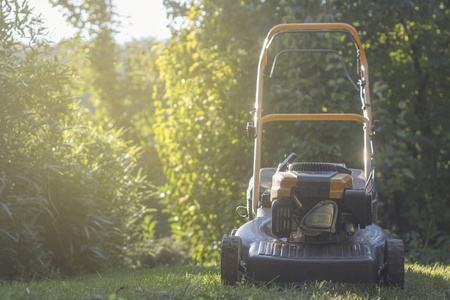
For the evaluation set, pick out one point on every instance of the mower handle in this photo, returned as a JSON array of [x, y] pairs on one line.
[[316, 27], [363, 72]]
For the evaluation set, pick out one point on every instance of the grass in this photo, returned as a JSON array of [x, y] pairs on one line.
[[203, 282]]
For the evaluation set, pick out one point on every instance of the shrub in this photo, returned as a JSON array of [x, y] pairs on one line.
[[70, 191]]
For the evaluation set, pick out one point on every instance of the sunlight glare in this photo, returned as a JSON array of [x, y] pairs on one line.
[[138, 18]]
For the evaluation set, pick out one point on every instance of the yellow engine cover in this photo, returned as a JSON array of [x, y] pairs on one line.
[[325, 185]]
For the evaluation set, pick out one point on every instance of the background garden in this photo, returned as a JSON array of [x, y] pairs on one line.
[[136, 154]]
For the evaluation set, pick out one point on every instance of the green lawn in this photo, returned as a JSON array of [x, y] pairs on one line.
[[203, 282]]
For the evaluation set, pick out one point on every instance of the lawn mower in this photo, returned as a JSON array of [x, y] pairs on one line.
[[313, 221]]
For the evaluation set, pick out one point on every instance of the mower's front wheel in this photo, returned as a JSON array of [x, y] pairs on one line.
[[230, 260], [394, 263]]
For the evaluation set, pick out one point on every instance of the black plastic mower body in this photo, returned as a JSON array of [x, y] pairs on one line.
[[359, 259]]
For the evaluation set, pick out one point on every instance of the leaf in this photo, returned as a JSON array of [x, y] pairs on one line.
[[97, 252], [7, 210], [15, 239], [86, 231], [408, 173]]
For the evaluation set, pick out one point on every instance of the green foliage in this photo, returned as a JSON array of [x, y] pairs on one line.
[[116, 82], [407, 44], [117, 79], [195, 126], [96, 20], [69, 190], [203, 282]]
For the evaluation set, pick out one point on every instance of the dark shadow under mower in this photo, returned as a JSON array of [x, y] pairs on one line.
[[313, 221]]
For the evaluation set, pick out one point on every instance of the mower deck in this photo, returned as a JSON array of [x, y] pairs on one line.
[[273, 260]]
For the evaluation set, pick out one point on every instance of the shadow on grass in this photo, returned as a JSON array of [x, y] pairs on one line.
[[421, 282]]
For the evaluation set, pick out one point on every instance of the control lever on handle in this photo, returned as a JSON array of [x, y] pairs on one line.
[[284, 165]]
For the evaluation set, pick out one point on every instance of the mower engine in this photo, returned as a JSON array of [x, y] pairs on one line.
[[316, 202]]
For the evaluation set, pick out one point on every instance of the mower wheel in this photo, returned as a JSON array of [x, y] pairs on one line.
[[230, 260], [394, 263]]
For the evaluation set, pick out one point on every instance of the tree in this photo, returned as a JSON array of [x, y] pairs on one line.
[[407, 44]]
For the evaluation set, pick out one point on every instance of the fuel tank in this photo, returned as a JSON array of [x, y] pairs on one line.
[[312, 184]]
